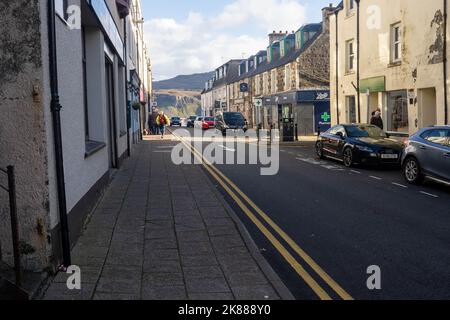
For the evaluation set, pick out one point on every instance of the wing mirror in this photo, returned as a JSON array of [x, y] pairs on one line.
[[340, 135]]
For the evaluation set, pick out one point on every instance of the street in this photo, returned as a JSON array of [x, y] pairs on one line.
[[337, 222]]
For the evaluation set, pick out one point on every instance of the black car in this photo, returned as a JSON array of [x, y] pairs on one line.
[[175, 121], [363, 144], [191, 121], [230, 121]]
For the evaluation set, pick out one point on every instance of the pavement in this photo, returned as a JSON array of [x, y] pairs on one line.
[[164, 232]]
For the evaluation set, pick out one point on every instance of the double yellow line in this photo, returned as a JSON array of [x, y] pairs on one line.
[[234, 191]]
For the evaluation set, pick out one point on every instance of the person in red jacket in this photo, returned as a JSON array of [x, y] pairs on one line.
[[162, 121]]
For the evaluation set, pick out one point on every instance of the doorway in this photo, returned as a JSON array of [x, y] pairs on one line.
[[111, 114], [286, 117], [427, 107]]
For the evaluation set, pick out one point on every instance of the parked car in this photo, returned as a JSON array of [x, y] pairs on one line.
[[190, 121], [227, 121], [175, 122], [427, 154], [359, 143]]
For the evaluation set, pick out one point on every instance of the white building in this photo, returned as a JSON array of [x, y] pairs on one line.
[[92, 73]]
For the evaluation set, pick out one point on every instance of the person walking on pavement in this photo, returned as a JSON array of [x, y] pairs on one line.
[[162, 121], [376, 119], [153, 126]]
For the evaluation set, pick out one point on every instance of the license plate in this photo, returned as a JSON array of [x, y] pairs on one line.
[[389, 156]]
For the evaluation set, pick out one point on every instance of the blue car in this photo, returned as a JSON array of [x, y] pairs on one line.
[[427, 154], [175, 121]]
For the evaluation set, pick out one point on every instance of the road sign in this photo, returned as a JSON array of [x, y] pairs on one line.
[[258, 102]]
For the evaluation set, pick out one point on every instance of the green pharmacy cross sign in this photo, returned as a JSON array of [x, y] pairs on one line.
[[326, 117]]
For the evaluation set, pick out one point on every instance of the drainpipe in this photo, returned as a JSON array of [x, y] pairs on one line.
[[445, 64], [358, 31], [55, 107], [127, 97], [337, 66]]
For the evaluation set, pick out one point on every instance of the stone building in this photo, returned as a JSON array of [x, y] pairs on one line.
[[86, 67], [271, 86], [394, 60]]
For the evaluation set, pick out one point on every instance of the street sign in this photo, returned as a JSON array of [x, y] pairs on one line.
[[258, 102], [243, 87]]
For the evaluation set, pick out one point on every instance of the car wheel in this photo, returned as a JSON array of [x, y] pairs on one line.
[[412, 171], [348, 157], [319, 150]]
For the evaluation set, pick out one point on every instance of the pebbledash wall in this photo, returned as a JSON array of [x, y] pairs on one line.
[[23, 137], [26, 130]]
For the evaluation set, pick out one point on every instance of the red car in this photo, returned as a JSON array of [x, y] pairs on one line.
[[208, 123]]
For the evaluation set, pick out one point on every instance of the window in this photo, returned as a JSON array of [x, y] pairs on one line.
[[350, 7], [274, 81], [288, 80], [85, 95], [396, 43], [437, 136], [61, 8], [351, 109], [398, 115], [350, 53]]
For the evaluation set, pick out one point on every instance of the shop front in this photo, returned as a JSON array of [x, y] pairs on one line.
[[298, 113]]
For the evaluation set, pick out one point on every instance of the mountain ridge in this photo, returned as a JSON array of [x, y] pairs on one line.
[[190, 82]]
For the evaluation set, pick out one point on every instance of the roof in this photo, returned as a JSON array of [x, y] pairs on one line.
[[291, 56]]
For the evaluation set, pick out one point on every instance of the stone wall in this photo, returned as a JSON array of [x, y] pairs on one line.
[[314, 64], [22, 130]]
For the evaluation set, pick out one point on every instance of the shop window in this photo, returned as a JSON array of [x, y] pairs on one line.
[[398, 117]]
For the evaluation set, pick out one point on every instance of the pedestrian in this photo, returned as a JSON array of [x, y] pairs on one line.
[[162, 121], [152, 124], [376, 119]]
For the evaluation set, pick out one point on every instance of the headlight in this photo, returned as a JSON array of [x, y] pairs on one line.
[[365, 149]]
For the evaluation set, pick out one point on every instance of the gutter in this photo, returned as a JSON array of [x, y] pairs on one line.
[[445, 63], [55, 107], [337, 66], [127, 97], [358, 31]]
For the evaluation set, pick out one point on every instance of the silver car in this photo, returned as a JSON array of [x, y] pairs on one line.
[[427, 154]]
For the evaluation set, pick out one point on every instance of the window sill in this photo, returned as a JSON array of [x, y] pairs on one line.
[[349, 73], [92, 147], [394, 64]]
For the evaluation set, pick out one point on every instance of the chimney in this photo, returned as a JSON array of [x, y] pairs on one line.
[[326, 12], [276, 36]]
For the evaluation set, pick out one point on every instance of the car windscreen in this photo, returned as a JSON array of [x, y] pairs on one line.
[[192, 118], [210, 119], [365, 132], [233, 118], [175, 118]]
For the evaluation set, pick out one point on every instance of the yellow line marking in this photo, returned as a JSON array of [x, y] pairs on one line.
[[322, 274], [286, 255]]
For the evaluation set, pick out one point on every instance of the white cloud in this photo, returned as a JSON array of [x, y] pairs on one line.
[[200, 44]]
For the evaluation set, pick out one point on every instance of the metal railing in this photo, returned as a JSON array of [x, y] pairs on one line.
[[11, 189]]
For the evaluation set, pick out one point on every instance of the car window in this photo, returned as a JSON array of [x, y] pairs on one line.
[[438, 136], [334, 130], [365, 132]]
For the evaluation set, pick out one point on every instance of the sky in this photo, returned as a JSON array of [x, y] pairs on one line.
[[193, 36]]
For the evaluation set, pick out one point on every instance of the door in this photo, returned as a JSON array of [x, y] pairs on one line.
[[337, 142], [304, 118], [287, 122], [435, 154], [111, 114]]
